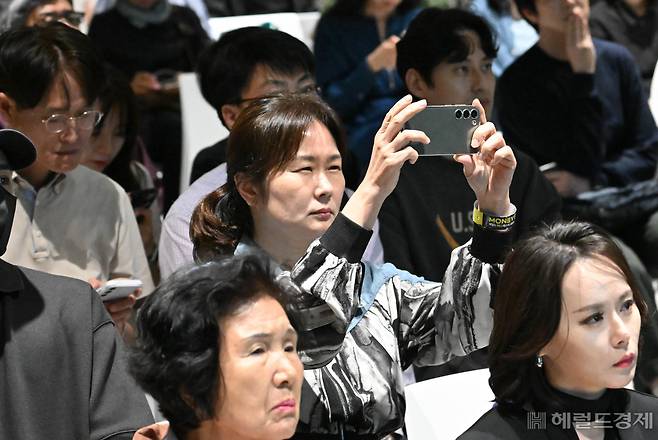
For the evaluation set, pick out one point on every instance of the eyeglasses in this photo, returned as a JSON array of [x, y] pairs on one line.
[[309, 89], [87, 120], [71, 17]]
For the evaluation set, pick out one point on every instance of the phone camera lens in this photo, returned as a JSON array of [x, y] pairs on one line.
[[474, 114], [458, 114]]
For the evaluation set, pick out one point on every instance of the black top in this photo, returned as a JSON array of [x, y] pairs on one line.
[[173, 44], [597, 126], [430, 212], [625, 415], [62, 369], [207, 159], [613, 20]]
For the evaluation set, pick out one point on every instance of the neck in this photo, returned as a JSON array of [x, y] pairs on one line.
[[553, 43], [587, 395], [638, 7], [208, 430], [284, 250], [35, 174]]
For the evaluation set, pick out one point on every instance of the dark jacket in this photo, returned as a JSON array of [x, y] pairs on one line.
[[596, 126], [62, 369], [642, 409], [174, 44]]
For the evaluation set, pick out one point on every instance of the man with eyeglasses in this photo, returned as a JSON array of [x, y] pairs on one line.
[[39, 12], [70, 220], [243, 65]]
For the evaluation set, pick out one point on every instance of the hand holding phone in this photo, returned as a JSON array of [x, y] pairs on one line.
[[118, 288], [449, 127]]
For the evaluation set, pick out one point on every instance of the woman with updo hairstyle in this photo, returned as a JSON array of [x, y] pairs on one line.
[[565, 341], [360, 324]]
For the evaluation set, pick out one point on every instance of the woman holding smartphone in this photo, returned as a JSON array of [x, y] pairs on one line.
[[364, 323]]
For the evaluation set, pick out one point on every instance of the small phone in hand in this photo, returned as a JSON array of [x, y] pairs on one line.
[[449, 127], [118, 288]]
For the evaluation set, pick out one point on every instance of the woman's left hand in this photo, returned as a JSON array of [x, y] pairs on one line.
[[489, 172]]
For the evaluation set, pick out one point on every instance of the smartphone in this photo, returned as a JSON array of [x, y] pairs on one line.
[[118, 288], [168, 78], [550, 166], [449, 127], [142, 198]]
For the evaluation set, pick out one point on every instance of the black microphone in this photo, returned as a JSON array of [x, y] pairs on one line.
[[16, 150]]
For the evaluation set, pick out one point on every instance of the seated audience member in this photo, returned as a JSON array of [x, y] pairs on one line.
[[243, 65], [565, 340], [355, 57], [512, 33], [445, 57], [151, 41], [37, 12], [70, 220], [372, 321], [634, 25], [602, 133], [112, 150], [62, 368], [218, 353]]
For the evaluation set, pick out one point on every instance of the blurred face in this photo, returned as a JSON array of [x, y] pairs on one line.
[[106, 145], [58, 152], [553, 15], [144, 4], [302, 200], [596, 343], [381, 8], [58, 10], [262, 374], [461, 82]]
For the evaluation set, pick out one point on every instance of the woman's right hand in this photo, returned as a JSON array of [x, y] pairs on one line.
[[385, 55], [390, 151]]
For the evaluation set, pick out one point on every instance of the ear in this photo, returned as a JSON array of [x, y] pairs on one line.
[[248, 190], [229, 113], [7, 110], [415, 83], [530, 16]]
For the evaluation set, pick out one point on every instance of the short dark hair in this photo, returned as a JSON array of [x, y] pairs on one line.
[[31, 58], [226, 67], [116, 96], [435, 36], [356, 7], [528, 305], [176, 356]]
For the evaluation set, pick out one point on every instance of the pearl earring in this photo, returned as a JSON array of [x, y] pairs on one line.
[[539, 361]]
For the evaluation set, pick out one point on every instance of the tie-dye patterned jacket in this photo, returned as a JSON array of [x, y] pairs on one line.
[[387, 319]]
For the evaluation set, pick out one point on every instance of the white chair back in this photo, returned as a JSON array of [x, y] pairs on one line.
[[444, 407], [201, 124]]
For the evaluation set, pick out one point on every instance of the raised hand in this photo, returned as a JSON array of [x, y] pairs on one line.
[[385, 55], [580, 47], [489, 172], [390, 151]]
